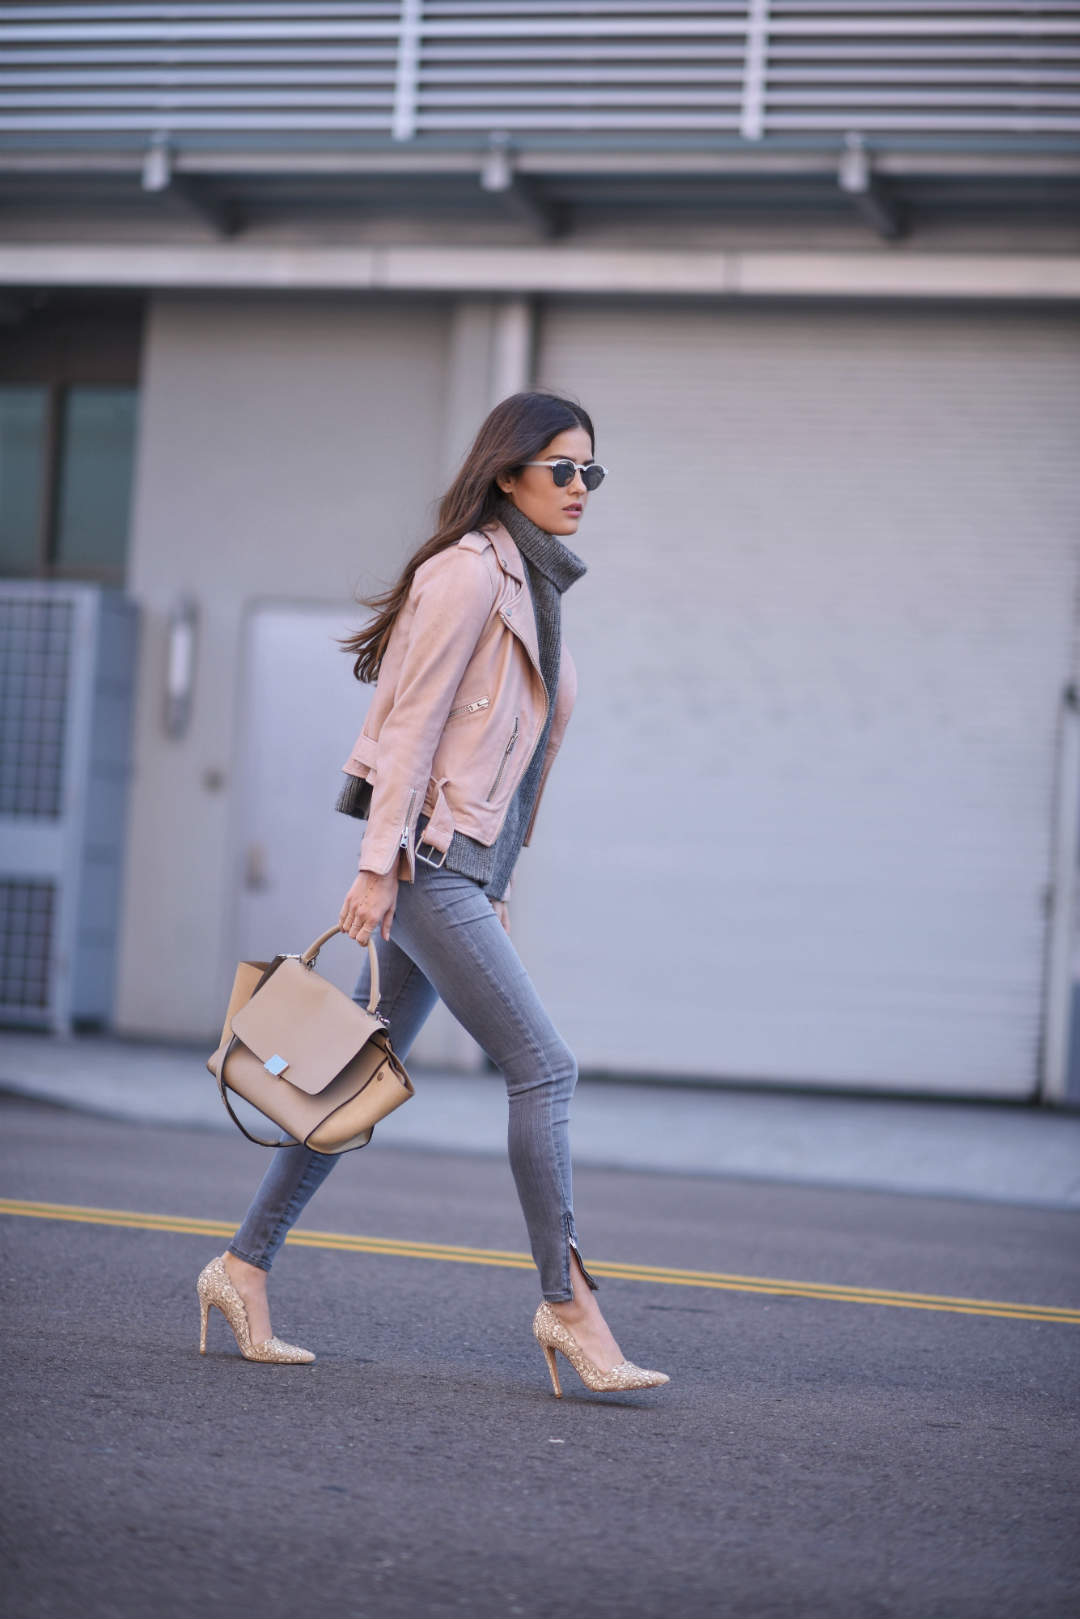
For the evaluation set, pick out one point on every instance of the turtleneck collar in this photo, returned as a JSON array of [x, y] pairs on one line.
[[545, 551]]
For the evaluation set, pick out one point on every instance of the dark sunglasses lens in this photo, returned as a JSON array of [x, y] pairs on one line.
[[593, 476], [562, 472]]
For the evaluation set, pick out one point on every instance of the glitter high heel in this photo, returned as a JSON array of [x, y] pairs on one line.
[[216, 1290], [551, 1335]]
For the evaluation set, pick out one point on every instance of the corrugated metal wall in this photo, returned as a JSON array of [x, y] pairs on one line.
[[801, 828]]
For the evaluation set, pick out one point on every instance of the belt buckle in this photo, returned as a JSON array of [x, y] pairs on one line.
[[438, 864]]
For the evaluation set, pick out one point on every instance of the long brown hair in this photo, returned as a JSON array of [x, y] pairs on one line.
[[514, 432]]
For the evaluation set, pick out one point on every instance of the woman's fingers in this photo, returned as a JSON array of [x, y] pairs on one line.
[[354, 923], [369, 907], [363, 927]]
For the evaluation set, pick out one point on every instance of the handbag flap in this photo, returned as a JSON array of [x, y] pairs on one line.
[[302, 1028]]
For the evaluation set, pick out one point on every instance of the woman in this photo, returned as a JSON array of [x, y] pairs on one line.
[[474, 689]]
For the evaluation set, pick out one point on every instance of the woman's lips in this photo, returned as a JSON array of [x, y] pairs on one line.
[[572, 511]]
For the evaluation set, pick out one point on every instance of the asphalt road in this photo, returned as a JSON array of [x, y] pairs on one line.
[[811, 1457]]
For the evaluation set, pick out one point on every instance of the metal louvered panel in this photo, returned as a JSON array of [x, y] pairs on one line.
[[600, 69], [208, 70], [67, 679], [930, 68], [455, 69]]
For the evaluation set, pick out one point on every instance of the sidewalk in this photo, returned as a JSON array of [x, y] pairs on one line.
[[953, 1149]]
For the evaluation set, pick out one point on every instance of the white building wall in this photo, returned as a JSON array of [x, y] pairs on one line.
[[288, 448], [801, 827]]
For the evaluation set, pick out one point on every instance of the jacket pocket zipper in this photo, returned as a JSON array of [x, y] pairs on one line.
[[469, 708], [404, 844], [507, 751]]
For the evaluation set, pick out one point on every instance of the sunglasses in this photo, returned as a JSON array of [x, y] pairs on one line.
[[562, 471]]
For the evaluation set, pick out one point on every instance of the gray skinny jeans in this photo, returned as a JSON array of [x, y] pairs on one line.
[[447, 941]]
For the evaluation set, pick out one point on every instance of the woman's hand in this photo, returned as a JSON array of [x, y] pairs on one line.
[[502, 911], [368, 908]]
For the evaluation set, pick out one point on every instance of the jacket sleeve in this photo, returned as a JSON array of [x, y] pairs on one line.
[[451, 598]]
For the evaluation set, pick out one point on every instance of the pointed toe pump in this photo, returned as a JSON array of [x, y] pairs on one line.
[[216, 1291], [551, 1335]]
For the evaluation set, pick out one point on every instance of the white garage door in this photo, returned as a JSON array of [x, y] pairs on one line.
[[801, 828]]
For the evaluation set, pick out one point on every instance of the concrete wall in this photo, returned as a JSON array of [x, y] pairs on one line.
[[287, 448]]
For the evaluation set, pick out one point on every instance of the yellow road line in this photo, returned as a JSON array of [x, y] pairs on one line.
[[776, 1287]]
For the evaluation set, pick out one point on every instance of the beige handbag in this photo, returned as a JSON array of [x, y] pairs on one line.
[[306, 1055]]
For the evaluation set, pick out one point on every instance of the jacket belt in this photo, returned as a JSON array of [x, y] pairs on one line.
[[440, 828]]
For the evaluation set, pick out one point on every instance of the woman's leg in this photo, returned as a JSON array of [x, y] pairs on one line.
[[295, 1173], [447, 926]]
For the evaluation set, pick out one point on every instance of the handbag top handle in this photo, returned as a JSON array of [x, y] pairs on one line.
[[311, 956]]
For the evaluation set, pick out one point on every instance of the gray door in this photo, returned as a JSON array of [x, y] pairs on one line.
[[294, 856]]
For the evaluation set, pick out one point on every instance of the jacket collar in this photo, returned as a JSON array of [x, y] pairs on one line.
[[518, 612], [506, 549]]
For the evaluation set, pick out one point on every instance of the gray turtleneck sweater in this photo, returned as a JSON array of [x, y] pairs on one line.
[[550, 569]]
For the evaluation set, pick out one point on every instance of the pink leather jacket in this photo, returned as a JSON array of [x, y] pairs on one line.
[[459, 704]]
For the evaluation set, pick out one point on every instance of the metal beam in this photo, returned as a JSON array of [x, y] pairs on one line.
[[159, 177], [521, 197], [873, 200], [765, 160], [892, 273]]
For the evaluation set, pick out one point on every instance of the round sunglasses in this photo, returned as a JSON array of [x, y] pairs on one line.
[[563, 469]]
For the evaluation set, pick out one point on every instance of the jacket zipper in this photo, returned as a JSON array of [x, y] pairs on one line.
[[404, 844], [469, 708], [506, 618], [507, 751]]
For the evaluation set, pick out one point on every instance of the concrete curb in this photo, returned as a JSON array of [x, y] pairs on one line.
[[948, 1149]]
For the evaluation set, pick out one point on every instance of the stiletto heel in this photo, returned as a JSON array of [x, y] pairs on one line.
[[216, 1290], [552, 1335], [549, 1356]]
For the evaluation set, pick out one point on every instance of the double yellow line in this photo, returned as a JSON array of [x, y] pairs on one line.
[[772, 1286]]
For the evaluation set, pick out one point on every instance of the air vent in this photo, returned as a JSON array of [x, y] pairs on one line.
[[27, 911], [35, 647], [67, 680]]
